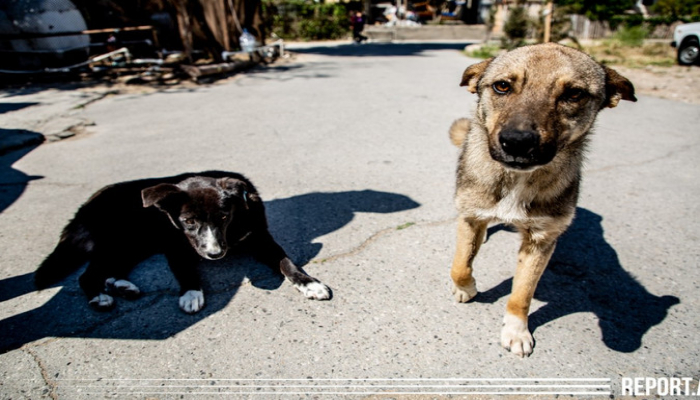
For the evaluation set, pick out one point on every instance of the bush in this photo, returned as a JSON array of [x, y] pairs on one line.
[[631, 36], [515, 28], [306, 20], [677, 10]]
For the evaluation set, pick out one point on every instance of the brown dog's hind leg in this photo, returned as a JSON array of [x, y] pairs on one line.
[[535, 252], [470, 236]]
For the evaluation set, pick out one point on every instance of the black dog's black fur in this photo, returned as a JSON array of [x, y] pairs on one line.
[[183, 217]]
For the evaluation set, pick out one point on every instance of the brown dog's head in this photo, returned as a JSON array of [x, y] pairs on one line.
[[535, 100]]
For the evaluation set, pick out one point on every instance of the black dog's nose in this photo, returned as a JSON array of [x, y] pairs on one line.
[[216, 255], [518, 143]]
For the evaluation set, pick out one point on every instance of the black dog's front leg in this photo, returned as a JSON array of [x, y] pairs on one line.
[[183, 263], [266, 250]]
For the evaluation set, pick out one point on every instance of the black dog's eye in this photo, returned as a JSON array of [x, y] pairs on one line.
[[224, 217], [574, 95], [501, 87], [189, 221]]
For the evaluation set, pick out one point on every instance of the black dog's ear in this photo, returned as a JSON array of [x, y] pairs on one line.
[[473, 73], [617, 88], [238, 188], [161, 195]]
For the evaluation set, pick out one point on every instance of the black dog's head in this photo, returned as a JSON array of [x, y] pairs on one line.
[[202, 208]]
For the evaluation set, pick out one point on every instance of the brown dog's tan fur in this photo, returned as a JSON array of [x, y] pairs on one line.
[[547, 97]]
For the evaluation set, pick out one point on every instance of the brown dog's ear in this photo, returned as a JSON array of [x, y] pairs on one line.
[[617, 88], [472, 75], [157, 195], [238, 188]]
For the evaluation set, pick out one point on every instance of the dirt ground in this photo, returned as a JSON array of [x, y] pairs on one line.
[[673, 83]]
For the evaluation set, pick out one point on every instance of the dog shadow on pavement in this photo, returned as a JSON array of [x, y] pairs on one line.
[[585, 275], [295, 223], [12, 181]]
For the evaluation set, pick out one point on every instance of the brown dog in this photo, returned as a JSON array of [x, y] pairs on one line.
[[521, 159]]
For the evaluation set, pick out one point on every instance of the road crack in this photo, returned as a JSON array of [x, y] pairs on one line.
[[48, 380], [377, 235]]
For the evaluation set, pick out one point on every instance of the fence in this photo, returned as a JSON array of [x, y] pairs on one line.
[[584, 28]]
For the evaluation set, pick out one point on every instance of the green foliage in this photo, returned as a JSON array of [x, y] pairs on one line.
[[484, 52], [515, 28], [598, 10], [631, 36], [678, 10], [664, 12], [307, 20]]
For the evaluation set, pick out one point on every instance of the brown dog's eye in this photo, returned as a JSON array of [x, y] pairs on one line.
[[574, 95], [501, 87]]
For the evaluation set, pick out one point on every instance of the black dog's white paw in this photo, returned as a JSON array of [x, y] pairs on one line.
[[192, 301], [122, 288], [314, 290], [102, 302], [309, 286]]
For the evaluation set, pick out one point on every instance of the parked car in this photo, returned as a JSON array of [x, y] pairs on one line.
[[686, 38]]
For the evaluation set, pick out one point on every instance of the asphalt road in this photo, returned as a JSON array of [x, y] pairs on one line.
[[348, 146]]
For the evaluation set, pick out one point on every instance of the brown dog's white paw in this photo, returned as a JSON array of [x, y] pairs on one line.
[[314, 290], [464, 293], [192, 301], [515, 337]]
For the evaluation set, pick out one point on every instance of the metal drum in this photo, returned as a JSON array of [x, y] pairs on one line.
[[38, 34]]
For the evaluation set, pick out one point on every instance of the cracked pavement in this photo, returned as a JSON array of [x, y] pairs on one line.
[[348, 146]]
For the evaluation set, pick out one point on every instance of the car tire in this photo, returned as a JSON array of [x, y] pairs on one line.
[[689, 52]]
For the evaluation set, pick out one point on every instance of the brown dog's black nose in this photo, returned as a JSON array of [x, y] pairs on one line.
[[518, 143]]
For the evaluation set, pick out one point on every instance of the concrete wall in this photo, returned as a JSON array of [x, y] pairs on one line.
[[475, 33]]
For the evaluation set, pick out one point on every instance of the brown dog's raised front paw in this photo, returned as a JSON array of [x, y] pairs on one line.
[[464, 293]]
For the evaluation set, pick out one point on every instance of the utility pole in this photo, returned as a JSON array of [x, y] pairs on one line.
[[547, 22]]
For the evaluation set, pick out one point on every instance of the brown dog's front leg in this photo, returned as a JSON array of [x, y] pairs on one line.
[[533, 257], [470, 235]]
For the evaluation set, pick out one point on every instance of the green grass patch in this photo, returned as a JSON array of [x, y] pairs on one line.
[[485, 51], [616, 52], [404, 226], [631, 36]]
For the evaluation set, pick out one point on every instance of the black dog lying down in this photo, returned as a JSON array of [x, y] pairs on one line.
[[183, 217]]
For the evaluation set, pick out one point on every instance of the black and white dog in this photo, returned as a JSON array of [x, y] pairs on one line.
[[184, 217]]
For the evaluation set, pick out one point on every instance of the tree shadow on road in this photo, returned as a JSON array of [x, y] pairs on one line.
[[295, 222], [381, 49], [9, 107], [13, 182], [585, 275]]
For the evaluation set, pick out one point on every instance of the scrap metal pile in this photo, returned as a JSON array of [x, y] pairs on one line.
[[146, 40]]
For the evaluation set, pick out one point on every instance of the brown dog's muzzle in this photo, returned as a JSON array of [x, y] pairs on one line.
[[521, 149]]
